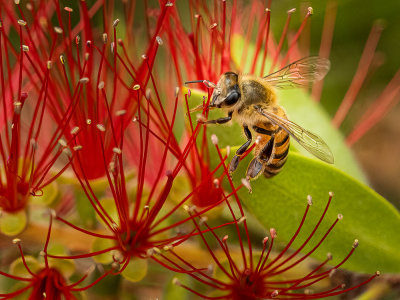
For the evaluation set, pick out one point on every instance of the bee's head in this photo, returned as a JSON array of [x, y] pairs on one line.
[[227, 91]]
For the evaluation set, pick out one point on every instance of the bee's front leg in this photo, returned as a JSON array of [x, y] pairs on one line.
[[217, 121], [235, 160]]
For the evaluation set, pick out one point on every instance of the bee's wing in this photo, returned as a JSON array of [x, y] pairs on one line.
[[299, 73], [310, 141]]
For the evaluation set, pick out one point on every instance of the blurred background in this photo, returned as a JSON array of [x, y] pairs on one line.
[[378, 149]]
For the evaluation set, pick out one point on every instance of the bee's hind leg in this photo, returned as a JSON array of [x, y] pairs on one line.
[[257, 164], [266, 152], [235, 160], [254, 168]]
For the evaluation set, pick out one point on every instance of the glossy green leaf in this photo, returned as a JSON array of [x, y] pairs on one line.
[[280, 202]]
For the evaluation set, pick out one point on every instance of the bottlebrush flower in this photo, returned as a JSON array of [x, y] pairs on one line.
[[139, 223], [246, 274], [45, 282], [28, 148], [97, 79]]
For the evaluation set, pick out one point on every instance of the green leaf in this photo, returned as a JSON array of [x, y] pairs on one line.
[[310, 115], [280, 202]]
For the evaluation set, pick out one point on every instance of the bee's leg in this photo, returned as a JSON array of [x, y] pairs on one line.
[[266, 152], [217, 121], [254, 168], [256, 165], [235, 160]]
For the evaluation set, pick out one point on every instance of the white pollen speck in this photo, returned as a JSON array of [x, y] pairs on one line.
[[62, 142], [214, 139], [309, 200], [117, 150], [101, 127], [176, 282], [120, 112], [22, 22], [159, 40], [115, 24], [148, 93], [58, 30], [242, 219], [216, 183], [228, 150], [75, 130], [246, 184]]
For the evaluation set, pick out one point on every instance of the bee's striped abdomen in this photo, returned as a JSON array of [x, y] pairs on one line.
[[279, 154], [272, 159]]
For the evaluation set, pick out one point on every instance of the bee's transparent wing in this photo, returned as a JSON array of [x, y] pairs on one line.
[[299, 73], [310, 141]]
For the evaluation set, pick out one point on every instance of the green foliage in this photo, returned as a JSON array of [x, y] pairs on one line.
[[281, 201]]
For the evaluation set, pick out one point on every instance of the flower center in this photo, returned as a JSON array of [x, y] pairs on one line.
[[249, 286]]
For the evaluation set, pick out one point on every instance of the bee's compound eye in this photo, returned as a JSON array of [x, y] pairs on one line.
[[232, 98]]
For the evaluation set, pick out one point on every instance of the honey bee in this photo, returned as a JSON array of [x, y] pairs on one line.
[[252, 102]]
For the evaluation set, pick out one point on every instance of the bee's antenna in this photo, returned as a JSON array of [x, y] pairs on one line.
[[194, 81], [206, 82]]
